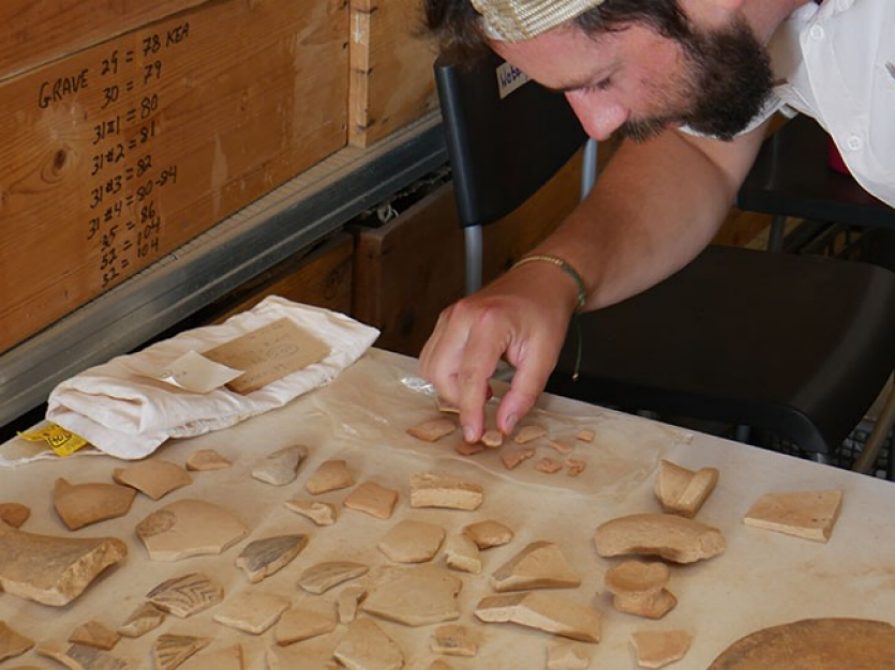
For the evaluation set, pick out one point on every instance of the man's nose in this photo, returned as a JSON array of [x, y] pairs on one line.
[[599, 116]]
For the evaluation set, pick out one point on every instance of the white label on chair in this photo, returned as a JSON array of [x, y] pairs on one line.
[[509, 78]]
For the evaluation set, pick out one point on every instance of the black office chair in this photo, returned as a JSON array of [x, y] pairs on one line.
[[793, 177], [796, 346]]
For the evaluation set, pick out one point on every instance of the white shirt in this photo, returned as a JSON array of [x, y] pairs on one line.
[[837, 62]]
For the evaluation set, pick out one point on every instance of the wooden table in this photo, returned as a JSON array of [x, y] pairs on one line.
[[763, 578]]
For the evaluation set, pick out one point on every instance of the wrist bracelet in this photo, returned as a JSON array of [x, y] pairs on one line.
[[563, 265], [566, 267]]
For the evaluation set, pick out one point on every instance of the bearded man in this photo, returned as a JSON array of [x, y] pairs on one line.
[[691, 85]]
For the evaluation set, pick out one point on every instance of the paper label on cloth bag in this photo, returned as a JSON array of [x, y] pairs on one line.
[[62, 442], [268, 354], [195, 373]]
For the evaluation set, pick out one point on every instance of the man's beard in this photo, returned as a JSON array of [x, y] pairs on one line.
[[728, 80]]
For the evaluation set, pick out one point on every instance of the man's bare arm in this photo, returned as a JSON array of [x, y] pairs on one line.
[[656, 206]]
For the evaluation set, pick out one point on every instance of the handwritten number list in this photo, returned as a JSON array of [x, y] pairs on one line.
[[125, 178]]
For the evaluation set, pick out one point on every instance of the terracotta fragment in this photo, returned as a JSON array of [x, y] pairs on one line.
[[430, 490], [461, 553], [548, 465], [14, 514], [493, 439], [411, 541], [541, 565], [252, 611], [322, 577], [415, 596], [321, 513], [434, 429], [300, 657], [189, 528], [543, 610], [528, 433], [467, 449], [438, 664], [280, 467], [567, 656], [332, 475], [575, 466], [169, 651], [446, 407], [585, 435], [656, 649], [301, 624], [453, 640], [366, 647], [372, 499], [186, 595], [207, 459], [154, 477], [560, 446], [225, 659], [12, 644], [813, 644], [807, 514], [670, 536], [95, 635], [489, 533], [53, 570], [262, 558], [80, 505], [82, 657], [683, 491], [639, 588], [145, 618], [512, 459], [348, 601]]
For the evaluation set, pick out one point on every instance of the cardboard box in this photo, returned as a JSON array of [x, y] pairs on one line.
[[392, 83], [118, 154]]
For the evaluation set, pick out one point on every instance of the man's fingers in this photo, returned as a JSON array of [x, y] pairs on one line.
[[483, 350], [441, 357], [529, 380]]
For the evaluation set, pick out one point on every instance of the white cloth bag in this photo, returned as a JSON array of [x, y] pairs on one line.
[[125, 413]]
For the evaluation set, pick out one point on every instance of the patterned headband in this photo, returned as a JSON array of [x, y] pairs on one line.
[[514, 20]]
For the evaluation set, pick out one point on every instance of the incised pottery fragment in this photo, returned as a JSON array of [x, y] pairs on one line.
[[262, 558]]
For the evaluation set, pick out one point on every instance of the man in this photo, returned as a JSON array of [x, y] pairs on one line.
[[693, 83]]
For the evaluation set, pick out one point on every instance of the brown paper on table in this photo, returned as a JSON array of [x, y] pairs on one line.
[[268, 354]]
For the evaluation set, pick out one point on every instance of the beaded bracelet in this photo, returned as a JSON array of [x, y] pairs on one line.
[[566, 267], [563, 265]]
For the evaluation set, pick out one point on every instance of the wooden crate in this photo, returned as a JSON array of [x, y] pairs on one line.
[[33, 32], [411, 268], [391, 69], [120, 153]]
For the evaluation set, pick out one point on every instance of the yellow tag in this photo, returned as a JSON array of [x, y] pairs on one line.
[[62, 442]]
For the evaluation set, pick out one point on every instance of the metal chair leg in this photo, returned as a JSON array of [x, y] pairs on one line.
[[777, 233], [877, 437]]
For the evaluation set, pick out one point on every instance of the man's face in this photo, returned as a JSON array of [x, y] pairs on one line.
[[639, 82]]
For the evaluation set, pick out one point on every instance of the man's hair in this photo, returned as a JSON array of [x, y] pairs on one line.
[[457, 26]]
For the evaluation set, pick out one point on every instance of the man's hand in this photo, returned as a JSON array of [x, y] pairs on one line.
[[523, 317]]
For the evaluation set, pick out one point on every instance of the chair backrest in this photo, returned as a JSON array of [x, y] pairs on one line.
[[506, 136]]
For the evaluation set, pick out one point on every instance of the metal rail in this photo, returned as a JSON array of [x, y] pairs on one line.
[[288, 219]]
